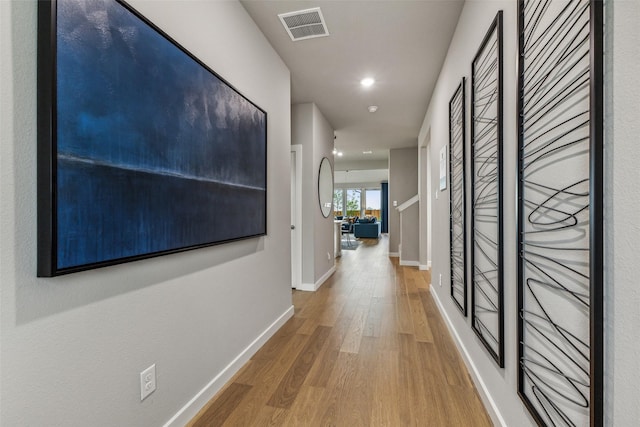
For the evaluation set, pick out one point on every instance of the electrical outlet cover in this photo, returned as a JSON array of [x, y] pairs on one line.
[[147, 381]]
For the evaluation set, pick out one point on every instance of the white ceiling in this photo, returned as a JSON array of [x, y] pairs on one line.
[[400, 43]]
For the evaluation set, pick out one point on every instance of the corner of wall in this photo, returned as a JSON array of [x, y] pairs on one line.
[[485, 394], [311, 129], [191, 409]]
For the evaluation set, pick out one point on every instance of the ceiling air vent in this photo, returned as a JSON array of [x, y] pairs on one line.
[[304, 24]]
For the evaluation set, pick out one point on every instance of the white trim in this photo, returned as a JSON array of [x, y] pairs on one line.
[[429, 264], [296, 250], [489, 403], [409, 202], [312, 287], [307, 287], [423, 267], [191, 409], [393, 254], [325, 276], [410, 263]]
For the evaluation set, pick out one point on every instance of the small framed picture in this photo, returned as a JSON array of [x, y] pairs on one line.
[[443, 168]]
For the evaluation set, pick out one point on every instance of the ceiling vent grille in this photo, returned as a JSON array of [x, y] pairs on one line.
[[304, 24]]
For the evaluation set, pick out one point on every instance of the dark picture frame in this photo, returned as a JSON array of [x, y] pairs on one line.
[[486, 241], [143, 150], [457, 199], [560, 211]]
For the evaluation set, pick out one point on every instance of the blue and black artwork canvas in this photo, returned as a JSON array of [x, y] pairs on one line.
[[154, 152]]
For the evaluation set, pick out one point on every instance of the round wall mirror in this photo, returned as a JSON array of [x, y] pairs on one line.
[[325, 187]]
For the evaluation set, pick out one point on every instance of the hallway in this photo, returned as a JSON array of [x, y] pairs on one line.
[[369, 348]]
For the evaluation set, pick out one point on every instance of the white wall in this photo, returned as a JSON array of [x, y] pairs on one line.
[[323, 228], [500, 384], [403, 185], [424, 217], [72, 347], [302, 133], [361, 178], [357, 184], [310, 129], [622, 204], [353, 165], [409, 221]]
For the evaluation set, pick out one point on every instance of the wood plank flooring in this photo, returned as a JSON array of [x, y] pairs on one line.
[[369, 348]]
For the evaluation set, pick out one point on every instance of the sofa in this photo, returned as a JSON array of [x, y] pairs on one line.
[[366, 228]]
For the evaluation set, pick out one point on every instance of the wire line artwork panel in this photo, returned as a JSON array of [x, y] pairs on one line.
[[457, 200], [560, 211], [487, 317], [143, 149]]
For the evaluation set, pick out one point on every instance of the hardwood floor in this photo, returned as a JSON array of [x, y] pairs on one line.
[[369, 348]]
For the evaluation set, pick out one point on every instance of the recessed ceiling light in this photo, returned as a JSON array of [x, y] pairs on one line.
[[372, 108], [339, 153], [334, 152], [367, 82], [367, 152]]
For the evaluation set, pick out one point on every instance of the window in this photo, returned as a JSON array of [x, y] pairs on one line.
[[338, 202], [353, 202], [372, 203], [360, 202]]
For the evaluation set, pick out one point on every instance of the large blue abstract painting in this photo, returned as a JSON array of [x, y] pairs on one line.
[[149, 151]]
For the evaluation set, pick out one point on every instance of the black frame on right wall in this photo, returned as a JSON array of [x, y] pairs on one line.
[[560, 211], [487, 275], [457, 199]]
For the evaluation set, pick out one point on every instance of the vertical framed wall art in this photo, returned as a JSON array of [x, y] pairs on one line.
[[560, 118], [487, 308], [443, 169], [457, 199], [143, 150]]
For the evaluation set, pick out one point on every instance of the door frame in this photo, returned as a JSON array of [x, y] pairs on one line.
[[296, 248]]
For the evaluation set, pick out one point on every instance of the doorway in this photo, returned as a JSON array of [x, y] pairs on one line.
[[424, 186]]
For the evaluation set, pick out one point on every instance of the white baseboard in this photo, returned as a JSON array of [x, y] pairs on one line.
[[325, 276], [423, 267], [308, 287], [410, 263], [393, 254], [486, 397], [429, 264], [191, 409], [312, 287]]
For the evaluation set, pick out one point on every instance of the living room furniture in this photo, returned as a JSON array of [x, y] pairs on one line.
[[366, 229], [347, 228]]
